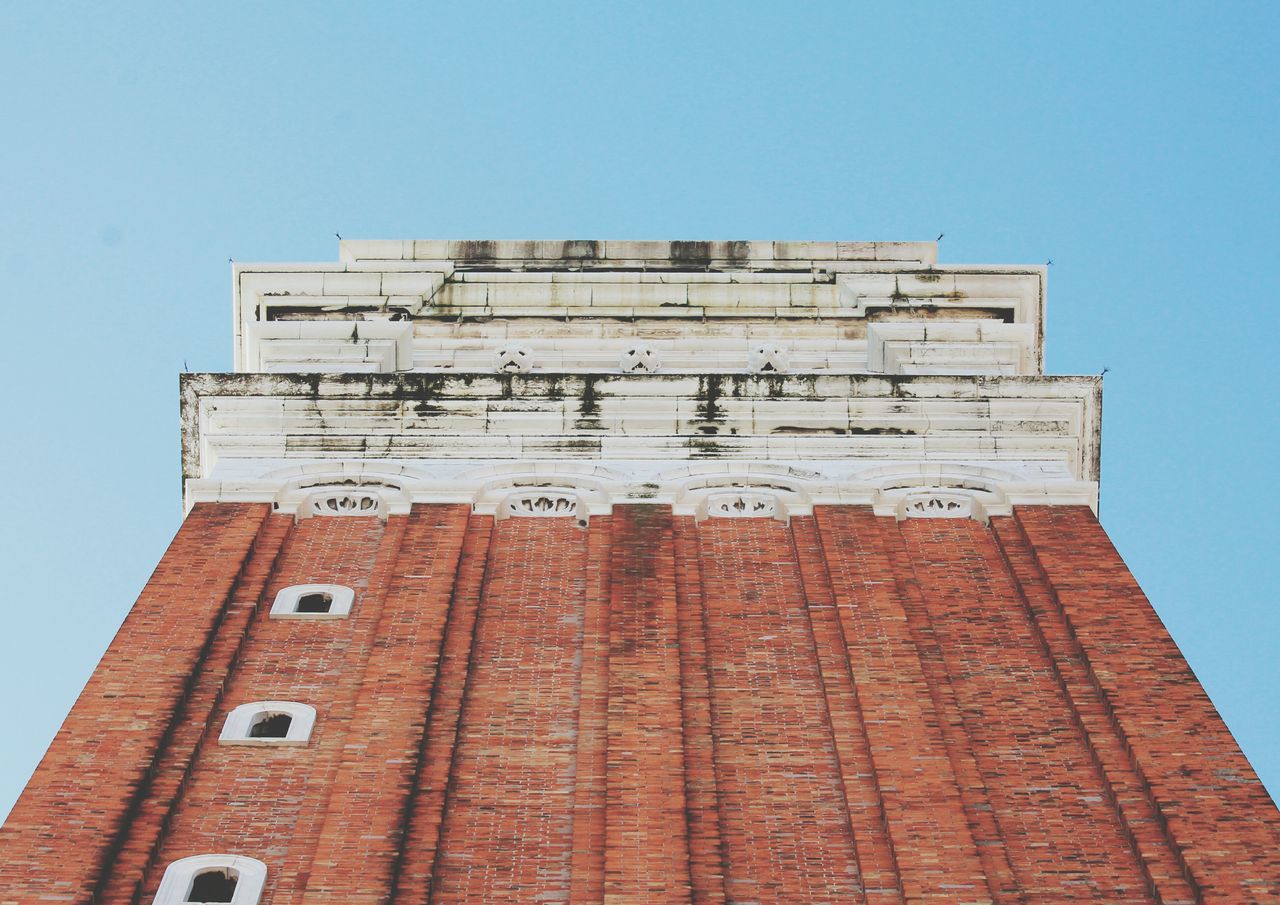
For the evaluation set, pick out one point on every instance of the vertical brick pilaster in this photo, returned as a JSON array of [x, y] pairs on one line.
[[783, 821], [589, 794], [508, 827], [876, 859], [435, 766], [1216, 809], [646, 851], [1055, 815], [120, 882], [937, 855], [1169, 877], [706, 850], [67, 825], [370, 792], [270, 802]]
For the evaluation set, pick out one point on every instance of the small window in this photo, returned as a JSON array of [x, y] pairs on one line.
[[313, 601], [269, 723], [232, 879], [217, 885]]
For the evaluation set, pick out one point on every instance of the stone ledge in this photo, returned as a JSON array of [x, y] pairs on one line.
[[607, 417]]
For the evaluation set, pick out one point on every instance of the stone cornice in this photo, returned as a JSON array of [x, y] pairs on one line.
[[458, 294], [830, 425], [603, 368], [706, 489]]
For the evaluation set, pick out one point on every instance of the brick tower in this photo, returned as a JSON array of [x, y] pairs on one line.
[[641, 572]]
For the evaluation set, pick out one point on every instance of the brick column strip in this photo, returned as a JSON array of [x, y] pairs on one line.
[[876, 860], [1167, 871], [706, 851], [587, 868], [993, 849], [1215, 807], [273, 800], [927, 820], [647, 850], [783, 818], [105, 751], [1051, 803], [121, 882], [508, 826], [412, 881], [370, 793]]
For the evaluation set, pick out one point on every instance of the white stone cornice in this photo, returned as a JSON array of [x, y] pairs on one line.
[[317, 346], [605, 418], [559, 379], [628, 253], [462, 299], [702, 489]]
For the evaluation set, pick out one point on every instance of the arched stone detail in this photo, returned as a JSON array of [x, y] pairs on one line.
[[532, 494], [541, 502], [739, 490], [927, 474], [941, 501], [342, 501], [330, 495], [744, 503]]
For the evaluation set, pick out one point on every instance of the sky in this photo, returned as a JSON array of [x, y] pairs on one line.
[[145, 144]]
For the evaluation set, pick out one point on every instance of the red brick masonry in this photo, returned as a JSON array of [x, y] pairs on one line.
[[844, 709]]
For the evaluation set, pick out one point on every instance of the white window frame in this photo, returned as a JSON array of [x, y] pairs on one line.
[[235, 731], [286, 602], [175, 886]]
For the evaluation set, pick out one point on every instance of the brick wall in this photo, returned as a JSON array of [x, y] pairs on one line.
[[840, 709]]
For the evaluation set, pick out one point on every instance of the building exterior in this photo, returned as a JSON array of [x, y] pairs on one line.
[[641, 572]]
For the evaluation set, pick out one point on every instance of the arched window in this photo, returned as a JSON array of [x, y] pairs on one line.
[[313, 601], [269, 723], [231, 879], [215, 885]]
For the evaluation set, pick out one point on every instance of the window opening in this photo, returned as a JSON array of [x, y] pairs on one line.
[[269, 725], [213, 886], [314, 603]]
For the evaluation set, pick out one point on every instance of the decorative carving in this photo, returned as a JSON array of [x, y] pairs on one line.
[[742, 504], [515, 359], [769, 359], [542, 504], [937, 504], [640, 358], [343, 502], [348, 482]]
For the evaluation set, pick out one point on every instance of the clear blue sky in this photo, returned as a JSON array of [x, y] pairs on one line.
[[1135, 144]]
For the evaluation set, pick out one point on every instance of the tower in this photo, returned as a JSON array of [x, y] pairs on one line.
[[641, 572]]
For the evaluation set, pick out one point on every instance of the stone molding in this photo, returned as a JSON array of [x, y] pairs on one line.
[[435, 305], [701, 490], [959, 347], [587, 253], [326, 346], [560, 378], [607, 418]]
